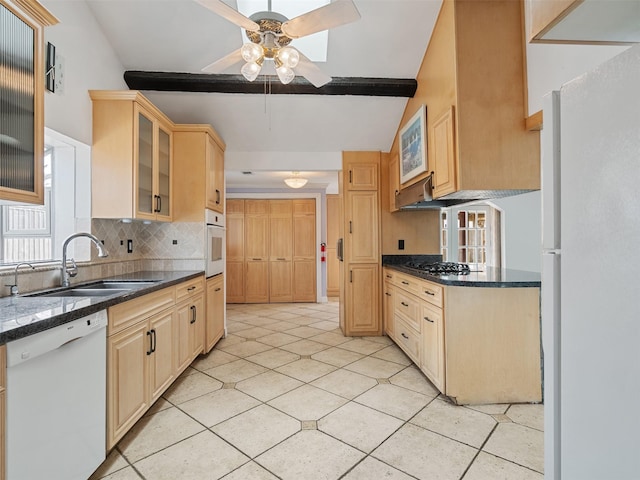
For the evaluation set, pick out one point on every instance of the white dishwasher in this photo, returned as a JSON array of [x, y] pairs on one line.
[[56, 401]]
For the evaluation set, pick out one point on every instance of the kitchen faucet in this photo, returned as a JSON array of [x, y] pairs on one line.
[[73, 271], [14, 287]]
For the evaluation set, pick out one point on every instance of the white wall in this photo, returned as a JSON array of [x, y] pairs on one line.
[[551, 66], [521, 220], [89, 64]]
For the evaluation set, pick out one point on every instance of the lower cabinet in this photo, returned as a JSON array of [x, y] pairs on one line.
[[150, 341], [362, 287], [256, 282], [235, 282], [304, 281], [214, 325], [432, 359], [476, 345]]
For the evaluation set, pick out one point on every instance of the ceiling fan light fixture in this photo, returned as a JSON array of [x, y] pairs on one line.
[[285, 74], [251, 52], [250, 70], [289, 57]]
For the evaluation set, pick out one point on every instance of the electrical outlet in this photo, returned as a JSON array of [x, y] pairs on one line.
[[400, 244], [129, 246]]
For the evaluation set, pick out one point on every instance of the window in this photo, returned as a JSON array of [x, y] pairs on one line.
[[26, 229], [473, 237], [33, 233]]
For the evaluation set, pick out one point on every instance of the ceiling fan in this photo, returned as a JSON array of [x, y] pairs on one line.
[[270, 34]]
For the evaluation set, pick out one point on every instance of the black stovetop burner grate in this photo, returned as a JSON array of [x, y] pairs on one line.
[[441, 268]]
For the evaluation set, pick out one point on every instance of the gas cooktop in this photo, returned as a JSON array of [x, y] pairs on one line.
[[441, 268]]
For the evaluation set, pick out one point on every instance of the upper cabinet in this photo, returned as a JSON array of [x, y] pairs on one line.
[[473, 86], [132, 158], [583, 21], [199, 180], [22, 25]]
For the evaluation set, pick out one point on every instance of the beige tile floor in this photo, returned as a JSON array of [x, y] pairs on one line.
[[286, 395]]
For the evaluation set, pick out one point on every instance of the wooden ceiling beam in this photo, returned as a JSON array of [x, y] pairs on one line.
[[198, 82]]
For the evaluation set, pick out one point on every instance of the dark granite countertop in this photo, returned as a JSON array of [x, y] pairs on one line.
[[490, 278], [22, 316]]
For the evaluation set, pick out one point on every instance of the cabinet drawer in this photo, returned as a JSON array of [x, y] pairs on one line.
[[408, 307], [407, 282], [389, 276], [125, 314], [407, 338], [192, 287], [432, 293]]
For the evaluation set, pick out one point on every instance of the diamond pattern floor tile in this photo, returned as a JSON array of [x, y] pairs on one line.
[[289, 390]]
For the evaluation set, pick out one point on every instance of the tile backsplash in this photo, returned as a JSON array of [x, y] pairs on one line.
[[156, 246]]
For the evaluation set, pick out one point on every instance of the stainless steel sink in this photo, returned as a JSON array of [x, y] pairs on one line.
[[103, 288], [84, 292]]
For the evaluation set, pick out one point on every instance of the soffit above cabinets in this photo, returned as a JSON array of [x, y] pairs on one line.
[[593, 21]]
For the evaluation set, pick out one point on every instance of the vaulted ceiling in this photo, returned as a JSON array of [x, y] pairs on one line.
[[181, 37]]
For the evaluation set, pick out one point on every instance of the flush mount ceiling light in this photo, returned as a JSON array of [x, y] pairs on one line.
[[271, 33], [296, 181]]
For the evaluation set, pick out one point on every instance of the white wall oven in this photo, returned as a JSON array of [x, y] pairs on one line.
[[215, 243]]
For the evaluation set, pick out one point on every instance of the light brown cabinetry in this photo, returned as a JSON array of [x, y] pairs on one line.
[[388, 304], [150, 341], [444, 162], [475, 63], [22, 100], [394, 182], [190, 322], [360, 280], [215, 175], [334, 208], [132, 158], [476, 344], [274, 241], [304, 251], [140, 352], [235, 251], [214, 327], [280, 251], [199, 181]]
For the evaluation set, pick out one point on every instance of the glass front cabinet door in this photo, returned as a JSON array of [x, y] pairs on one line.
[[22, 76]]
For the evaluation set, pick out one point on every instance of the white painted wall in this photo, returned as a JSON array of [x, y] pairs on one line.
[[551, 66], [89, 64], [521, 220]]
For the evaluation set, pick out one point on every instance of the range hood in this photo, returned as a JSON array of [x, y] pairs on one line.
[[418, 197]]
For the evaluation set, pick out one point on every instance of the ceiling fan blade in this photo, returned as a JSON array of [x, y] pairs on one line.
[[221, 65], [338, 12], [225, 11], [311, 72]]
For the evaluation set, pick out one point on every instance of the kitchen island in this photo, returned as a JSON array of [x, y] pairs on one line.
[[475, 336]]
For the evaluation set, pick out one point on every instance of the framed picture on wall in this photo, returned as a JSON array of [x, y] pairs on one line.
[[413, 146]]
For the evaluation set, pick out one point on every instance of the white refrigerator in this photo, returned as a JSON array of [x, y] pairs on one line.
[[591, 274]]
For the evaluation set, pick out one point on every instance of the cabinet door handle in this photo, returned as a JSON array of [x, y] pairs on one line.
[[405, 283], [404, 336], [387, 294], [217, 197], [350, 177], [280, 258], [404, 304], [389, 276], [217, 289], [153, 340], [192, 288], [429, 292], [350, 227], [256, 259], [428, 320], [150, 351], [350, 276], [193, 314]]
